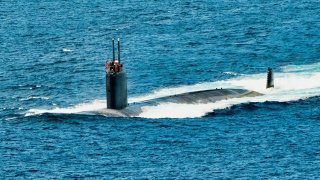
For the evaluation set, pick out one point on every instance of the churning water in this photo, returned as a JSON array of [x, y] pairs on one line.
[[52, 73]]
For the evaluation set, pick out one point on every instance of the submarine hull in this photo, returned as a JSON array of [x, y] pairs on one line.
[[197, 97]]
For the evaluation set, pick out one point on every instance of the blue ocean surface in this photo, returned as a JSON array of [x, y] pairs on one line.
[[52, 56]]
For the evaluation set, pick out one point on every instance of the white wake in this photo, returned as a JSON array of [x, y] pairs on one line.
[[292, 83]]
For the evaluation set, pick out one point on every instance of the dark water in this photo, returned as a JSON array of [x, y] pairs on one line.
[[52, 56]]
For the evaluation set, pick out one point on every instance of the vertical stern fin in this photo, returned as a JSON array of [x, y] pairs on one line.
[[270, 81]]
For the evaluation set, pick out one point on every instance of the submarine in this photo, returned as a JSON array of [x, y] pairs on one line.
[[117, 92]]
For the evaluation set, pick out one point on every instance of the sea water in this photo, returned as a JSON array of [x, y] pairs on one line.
[[52, 56]]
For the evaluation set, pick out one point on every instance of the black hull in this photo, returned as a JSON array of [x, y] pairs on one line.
[[197, 97]]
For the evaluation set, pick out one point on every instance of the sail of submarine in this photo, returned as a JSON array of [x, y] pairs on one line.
[[117, 98]]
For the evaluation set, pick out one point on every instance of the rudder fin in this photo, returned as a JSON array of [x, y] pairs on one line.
[[270, 82]]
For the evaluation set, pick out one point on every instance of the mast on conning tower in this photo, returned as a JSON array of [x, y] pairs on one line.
[[119, 50], [113, 54]]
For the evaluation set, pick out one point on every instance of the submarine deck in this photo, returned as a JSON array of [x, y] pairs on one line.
[[196, 97]]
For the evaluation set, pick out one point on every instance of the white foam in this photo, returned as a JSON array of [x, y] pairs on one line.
[[302, 68], [66, 50], [34, 97], [293, 83], [84, 107], [296, 82], [230, 73]]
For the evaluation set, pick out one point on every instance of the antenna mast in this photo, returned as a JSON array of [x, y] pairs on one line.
[[113, 55], [119, 50]]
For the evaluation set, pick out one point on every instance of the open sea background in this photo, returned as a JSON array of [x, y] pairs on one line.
[[52, 56]]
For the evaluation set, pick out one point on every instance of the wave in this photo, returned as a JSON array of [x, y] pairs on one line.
[[34, 97], [67, 50], [293, 82], [230, 73], [77, 109]]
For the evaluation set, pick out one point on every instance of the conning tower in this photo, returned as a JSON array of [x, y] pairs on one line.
[[116, 82]]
